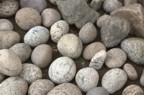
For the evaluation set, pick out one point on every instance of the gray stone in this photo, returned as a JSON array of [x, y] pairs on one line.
[[6, 25], [134, 49], [97, 91], [96, 4], [77, 12], [114, 31], [129, 2], [142, 78]]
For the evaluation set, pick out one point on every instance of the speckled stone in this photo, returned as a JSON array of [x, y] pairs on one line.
[[6, 25], [97, 91]]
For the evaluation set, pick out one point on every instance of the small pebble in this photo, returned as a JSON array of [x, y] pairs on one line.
[[97, 91], [22, 50], [98, 60], [36, 36], [70, 45], [42, 55], [133, 90], [26, 18], [39, 5], [129, 2], [59, 29], [96, 4], [50, 16], [30, 72], [62, 69], [2, 77], [91, 49], [88, 33], [142, 78], [131, 71], [87, 78], [6, 25], [40, 87], [116, 57], [114, 79]]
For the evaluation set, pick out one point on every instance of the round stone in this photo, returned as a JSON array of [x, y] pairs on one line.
[[26, 18], [30, 73], [36, 36], [114, 79], [87, 78], [42, 55], [50, 16], [70, 45], [2, 77], [39, 5], [97, 91], [88, 33], [6, 25], [133, 90], [62, 70], [91, 49], [116, 57], [59, 29]]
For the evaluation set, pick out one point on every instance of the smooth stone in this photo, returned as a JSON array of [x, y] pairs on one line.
[[97, 91], [8, 39], [6, 25], [133, 47], [2, 77], [142, 78], [114, 79], [98, 60], [62, 70], [40, 87], [135, 14], [50, 16], [13, 86], [77, 12], [30, 73], [8, 8], [42, 55], [87, 78], [26, 18], [39, 5], [133, 90], [113, 32], [65, 89], [91, 49], [10, 64], [116, 58], [70, 45], [59, 29], [129, 2], [22, 50], [96, 4], [88, 33], [36, 36], [131, 71]]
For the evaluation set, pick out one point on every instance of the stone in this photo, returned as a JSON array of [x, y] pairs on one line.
[[135, 14], [141, 2], [26, 18], [113, 32], [40, 87], [62, 70], [97, 91], [30, 73], [129, 2], [22, 50], [114, 79], [142, 78], [131, 71], [59, 29], [8, 8], [8, 39], [77, 12], [116, 58], [87, 78], [10, 64], [50, 16], [133, 47], [98, 60], [13, 86], [91, 49], [88, 33], [70, 45], [39, 5], [2, 77], [65, 88], [96, 4], [6, 25], [133, 90], [36, 36], [44, 57]]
